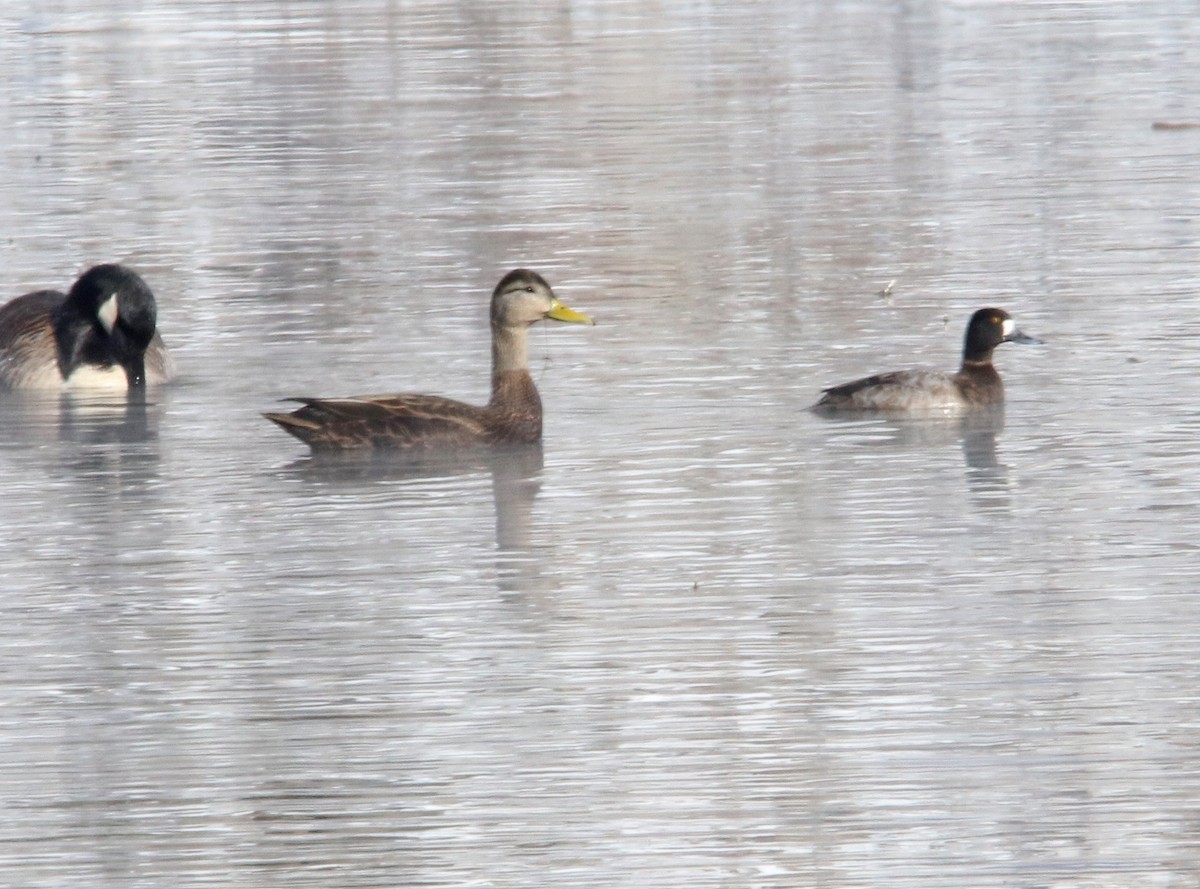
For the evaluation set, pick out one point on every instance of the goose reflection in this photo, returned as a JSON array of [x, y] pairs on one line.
[[96, 456], [34, 419]]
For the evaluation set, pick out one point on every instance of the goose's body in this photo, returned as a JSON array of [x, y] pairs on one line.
[[100, 335], [976, 384], [513, 415]]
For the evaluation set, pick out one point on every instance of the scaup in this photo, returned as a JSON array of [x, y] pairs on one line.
[[975, 385]]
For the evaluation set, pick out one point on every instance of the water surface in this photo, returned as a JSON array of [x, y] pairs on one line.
[[701, 637]]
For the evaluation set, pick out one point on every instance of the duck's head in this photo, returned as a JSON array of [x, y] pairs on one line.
[[109, 319], [523, 297], [989, 328]]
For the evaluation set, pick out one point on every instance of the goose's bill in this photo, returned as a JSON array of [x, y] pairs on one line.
[[560, 312]]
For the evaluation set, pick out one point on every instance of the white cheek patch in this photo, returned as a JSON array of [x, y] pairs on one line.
[[89, 376], [107, 313], [1008, 327]]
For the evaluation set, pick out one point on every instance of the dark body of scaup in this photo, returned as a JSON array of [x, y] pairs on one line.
[[977, 383]]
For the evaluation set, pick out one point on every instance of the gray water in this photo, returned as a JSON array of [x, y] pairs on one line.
[[703, 638]]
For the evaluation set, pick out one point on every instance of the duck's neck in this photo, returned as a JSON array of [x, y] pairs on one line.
[[973, 354], [979, 382], [977, 364], [509, 349], [512, 387]]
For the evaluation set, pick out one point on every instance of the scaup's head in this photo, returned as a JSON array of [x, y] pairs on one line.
[[989, 328], [107, 320], [523, 297]]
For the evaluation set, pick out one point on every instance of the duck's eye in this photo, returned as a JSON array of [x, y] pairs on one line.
[[529, 288]]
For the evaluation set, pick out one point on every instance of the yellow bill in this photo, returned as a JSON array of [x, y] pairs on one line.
[[560, 312]]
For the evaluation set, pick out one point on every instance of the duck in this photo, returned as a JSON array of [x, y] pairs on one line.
[[411, 422], [100, 335], [976, 385]]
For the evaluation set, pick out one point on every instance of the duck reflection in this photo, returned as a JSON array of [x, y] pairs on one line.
[[975, 431], [515, 472], [987, 477]]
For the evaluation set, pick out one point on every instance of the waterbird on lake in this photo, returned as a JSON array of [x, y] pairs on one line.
[[406, 421], [976, 384], [100, 335]]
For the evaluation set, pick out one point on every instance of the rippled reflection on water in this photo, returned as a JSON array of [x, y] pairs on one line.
[[701, 636]]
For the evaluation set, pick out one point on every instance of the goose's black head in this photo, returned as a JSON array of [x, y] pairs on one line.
[[107, 320]]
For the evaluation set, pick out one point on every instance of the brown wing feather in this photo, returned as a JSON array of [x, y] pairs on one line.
[[28, 350], [160, 366], [385, 421]]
